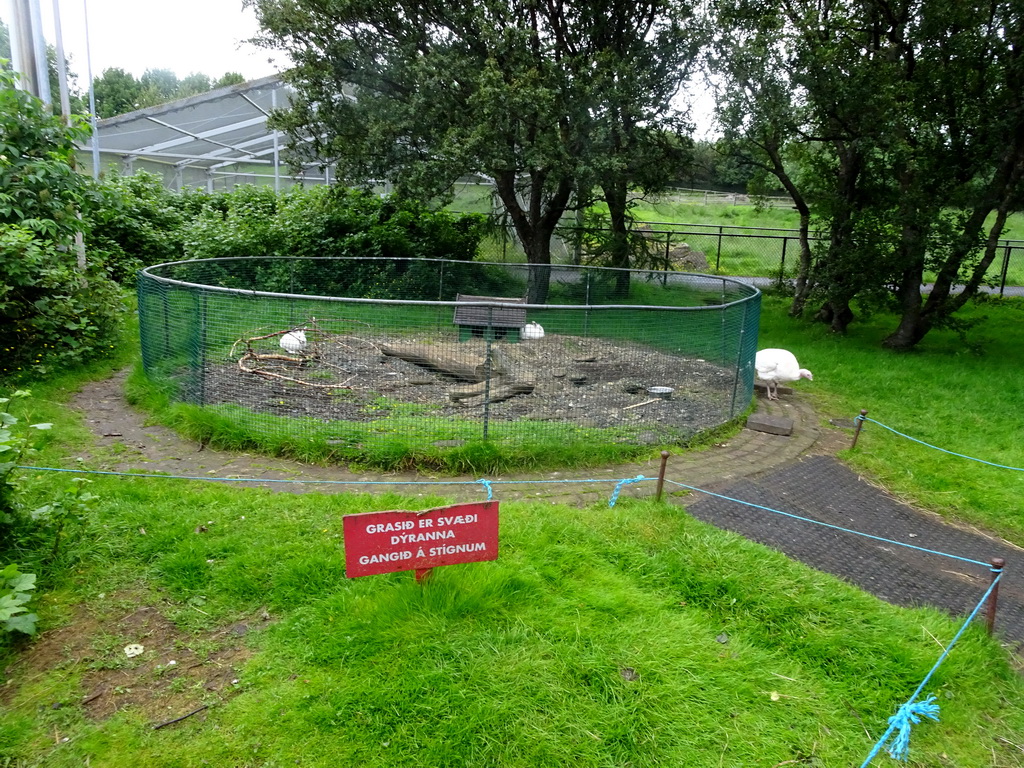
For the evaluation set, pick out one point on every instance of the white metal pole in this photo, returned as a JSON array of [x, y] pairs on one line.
[[62, 67], [22, 56], [92, 96], [277, 155], [39, 45]]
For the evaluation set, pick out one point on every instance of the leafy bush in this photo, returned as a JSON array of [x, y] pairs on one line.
[[137, 222], [14, 598], [331, 222], [51, 312], [22, 530], [14, 586]]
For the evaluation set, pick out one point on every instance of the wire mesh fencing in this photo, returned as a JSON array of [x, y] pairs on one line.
[[764, 253], [360, 352]]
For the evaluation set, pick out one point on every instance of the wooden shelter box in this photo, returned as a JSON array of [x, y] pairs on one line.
[[494, 323]]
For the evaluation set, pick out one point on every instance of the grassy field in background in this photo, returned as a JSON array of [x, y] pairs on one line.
[[736, 239]]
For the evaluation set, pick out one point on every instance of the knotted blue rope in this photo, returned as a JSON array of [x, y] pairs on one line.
[[618, 488], [487, 484], [907, 715]]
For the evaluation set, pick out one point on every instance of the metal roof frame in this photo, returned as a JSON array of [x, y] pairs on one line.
[[217, 133]]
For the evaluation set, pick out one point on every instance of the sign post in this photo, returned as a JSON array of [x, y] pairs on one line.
[[386, 542]]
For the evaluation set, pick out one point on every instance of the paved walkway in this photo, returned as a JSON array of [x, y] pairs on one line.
[[126, 443]]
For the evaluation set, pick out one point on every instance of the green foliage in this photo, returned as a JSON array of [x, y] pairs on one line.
[[137, 222], [15, 444], [141, 223], [51, 312], [68, 509], [15, 595], [550, 102], [39, 188], [15, 587], [117, 91], [899, 131]]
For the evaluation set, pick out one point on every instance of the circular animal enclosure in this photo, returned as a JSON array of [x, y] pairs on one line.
[[429, 355]]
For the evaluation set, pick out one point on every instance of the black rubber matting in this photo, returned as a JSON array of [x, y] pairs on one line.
[[820, 488]]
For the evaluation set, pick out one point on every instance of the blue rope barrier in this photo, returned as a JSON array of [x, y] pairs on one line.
[[862, 418], [214, 479], [486, 484], [620, 484], [908, 713], [828, 525]]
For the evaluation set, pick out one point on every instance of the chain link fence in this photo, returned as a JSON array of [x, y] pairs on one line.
[[770, 255], [362, 352]]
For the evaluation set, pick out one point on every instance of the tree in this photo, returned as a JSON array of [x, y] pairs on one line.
[[116, 92], [638, 55], [228, 78], [422, 93], [158, 87], [191, 85], [909, 118], [761, 116]]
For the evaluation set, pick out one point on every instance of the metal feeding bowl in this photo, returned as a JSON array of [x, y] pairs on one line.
[[665, 393]]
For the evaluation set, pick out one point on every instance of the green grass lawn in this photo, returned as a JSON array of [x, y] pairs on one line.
[[631, 635], [743, 239]]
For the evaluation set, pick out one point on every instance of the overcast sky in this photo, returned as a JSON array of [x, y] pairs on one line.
[[184, 36]]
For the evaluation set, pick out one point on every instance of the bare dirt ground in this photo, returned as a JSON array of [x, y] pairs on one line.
[[591, 382], [176, 672]]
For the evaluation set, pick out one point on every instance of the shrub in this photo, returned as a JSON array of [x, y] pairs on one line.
[[51, 312], [137, 222]]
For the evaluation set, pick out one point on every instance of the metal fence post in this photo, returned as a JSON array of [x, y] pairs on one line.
[[998, 564], [1006, 268], [202, 348], [718, 255], [782, 266], [856, 429], [661, 476]]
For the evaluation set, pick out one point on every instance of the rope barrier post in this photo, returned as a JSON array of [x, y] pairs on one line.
[[661, 476], [856, 429], [990, 608]]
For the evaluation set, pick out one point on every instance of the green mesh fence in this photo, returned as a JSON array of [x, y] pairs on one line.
[[445, 352]]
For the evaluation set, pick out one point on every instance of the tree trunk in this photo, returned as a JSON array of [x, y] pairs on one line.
[[535, 224], [913, 324], [615, 195], [837, 313], [804, 283]]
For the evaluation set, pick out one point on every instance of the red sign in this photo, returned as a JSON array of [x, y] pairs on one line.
[[385, 542]]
